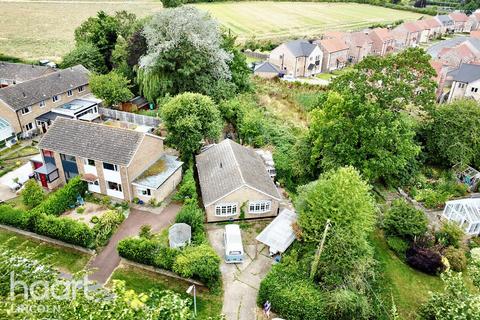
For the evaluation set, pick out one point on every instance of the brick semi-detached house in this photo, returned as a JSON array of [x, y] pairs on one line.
[[117, 162], [383, 41], [13, 73], [22, 103]]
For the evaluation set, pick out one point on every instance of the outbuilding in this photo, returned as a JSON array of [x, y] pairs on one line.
[[465, 213]]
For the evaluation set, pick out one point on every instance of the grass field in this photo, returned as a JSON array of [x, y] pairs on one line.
[[34, 29], [208, 304], [64, 259]]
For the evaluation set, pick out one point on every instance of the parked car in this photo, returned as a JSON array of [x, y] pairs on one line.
[[233, 244]]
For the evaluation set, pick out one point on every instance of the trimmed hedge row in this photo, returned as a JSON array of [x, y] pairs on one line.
[[199, 262], [63, 229], [61, 200]]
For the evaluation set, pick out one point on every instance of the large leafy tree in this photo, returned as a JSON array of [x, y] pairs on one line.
[[190, 118], [340, 196], [398, 82], [87, 55], [103, 30], [350, 130], [453, 134], [112, 88], [186, 52]]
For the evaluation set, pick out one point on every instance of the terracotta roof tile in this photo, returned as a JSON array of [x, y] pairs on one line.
[[333, 45]]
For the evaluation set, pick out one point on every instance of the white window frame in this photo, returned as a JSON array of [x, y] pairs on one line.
[[259, 206], [226, 209], [56, 98], [26, 110], [42, 104], [115, 167], [87, 162], [69, 93], [94, 183], [31, 124], [81, 88]]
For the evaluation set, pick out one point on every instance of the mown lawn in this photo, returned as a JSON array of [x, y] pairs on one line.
[[208, 304], [408, 287], [65, 260], [46, 29]]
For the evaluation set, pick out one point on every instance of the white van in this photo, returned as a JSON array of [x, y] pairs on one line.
[[233, 244]]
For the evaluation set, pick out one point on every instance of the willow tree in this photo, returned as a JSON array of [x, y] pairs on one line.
[[184, 53]]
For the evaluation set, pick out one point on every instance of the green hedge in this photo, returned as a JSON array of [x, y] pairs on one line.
[[199, 262], [62, 199], [292, 296], [14, 217], [63, 229], [140, 250]]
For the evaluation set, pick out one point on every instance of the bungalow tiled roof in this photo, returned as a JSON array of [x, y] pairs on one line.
[[334, 35], [92, 140], [228, 166], [21, 72], [333, 45], [33, 91], [360, 38]]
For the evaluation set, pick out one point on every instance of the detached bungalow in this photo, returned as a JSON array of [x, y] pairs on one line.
[[120, 163], [233, 179], [298, 58]]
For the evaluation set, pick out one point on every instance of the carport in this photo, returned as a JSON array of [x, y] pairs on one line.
[[279, 234]]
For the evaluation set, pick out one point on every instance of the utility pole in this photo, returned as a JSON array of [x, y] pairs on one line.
[[316, 260]]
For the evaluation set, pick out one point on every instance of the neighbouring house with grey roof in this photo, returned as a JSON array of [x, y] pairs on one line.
[[448, 24], [465, 82], [117, 162], [298, 58], [233, 179], [13, 73], [21, 104], [266, 70]]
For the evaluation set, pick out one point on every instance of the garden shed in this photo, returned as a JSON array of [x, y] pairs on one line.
[[179, 235], [464, 212], [279, 234]]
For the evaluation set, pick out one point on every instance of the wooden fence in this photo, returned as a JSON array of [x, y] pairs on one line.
[[137, 119]]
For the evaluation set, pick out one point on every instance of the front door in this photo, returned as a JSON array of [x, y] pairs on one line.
[[43, 180]]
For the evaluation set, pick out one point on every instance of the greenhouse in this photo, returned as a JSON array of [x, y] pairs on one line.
[[465, 213]]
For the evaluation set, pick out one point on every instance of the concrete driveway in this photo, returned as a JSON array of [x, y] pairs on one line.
[[108, 259], [241, 281]]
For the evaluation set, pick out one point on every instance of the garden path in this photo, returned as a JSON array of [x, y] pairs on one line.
[[108, 259]]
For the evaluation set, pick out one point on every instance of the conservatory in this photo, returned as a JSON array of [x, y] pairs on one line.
[[464, 212]]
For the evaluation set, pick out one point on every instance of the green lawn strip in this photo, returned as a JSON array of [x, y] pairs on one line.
[[8, 150], [26, 151], [64, 259], [208, 304], [408, 287]]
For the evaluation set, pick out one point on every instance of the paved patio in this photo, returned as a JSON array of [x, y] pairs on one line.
[[108, 259]]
